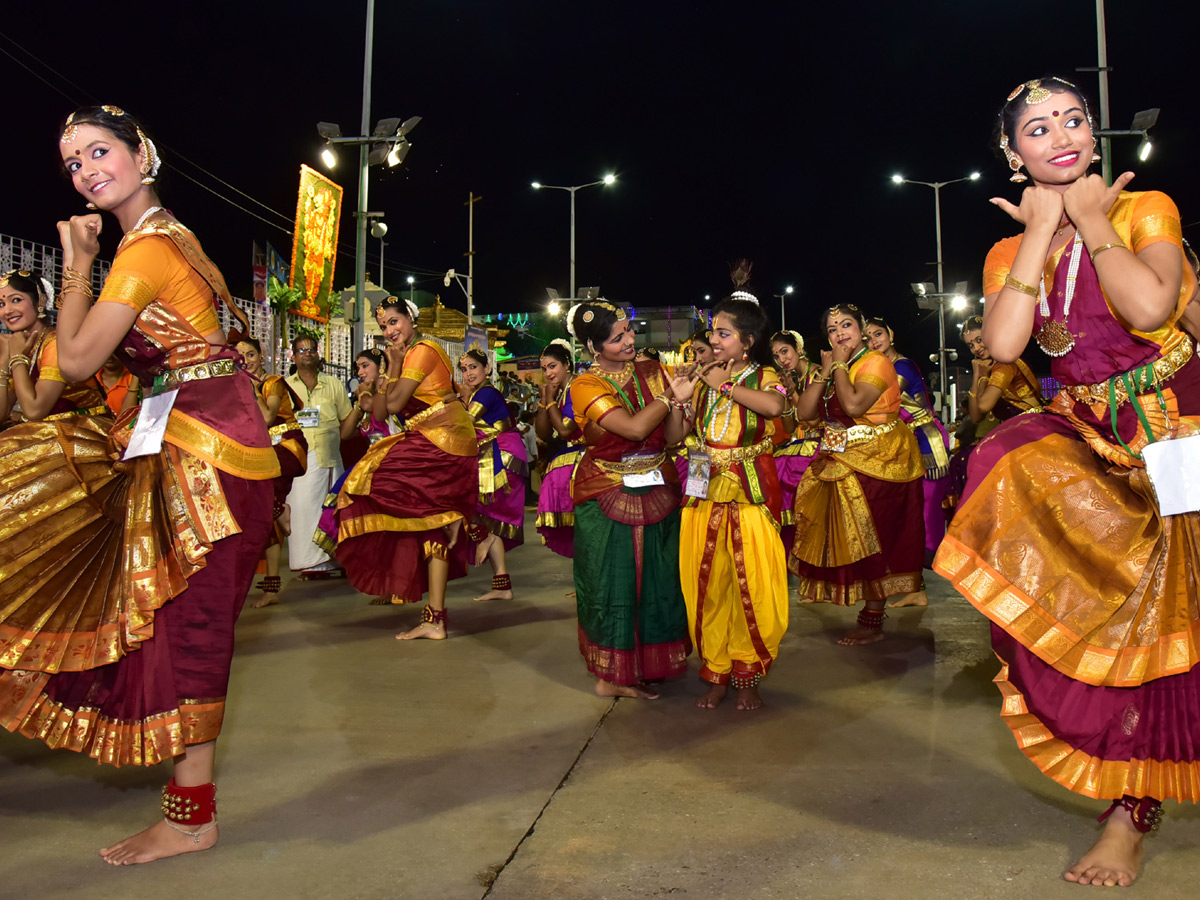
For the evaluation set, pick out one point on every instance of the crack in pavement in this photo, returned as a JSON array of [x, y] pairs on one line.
[[554, 793]]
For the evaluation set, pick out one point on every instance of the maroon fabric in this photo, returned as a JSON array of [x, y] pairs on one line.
[[897, 511], [415, 480], [1157, 720], [189, 655], [1104, 348]]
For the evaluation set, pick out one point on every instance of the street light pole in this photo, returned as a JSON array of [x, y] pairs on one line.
[[360, 243], [937, 224]]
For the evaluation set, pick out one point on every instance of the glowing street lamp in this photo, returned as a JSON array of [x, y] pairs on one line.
[[782, 314], [537, 185]]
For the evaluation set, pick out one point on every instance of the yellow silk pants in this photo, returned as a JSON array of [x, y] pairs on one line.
[[734, 576]]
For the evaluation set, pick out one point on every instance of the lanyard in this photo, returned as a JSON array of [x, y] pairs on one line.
[[625, 397]]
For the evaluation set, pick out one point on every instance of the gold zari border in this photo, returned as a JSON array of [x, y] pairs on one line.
[[251, 463]]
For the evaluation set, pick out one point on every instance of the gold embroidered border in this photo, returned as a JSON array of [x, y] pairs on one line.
[[375, 522], [128, 290], [251, 463], [1107, 779]]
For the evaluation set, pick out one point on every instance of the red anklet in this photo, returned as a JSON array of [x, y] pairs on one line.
[[871, 619], [1145, 812], [270, 584], [431, 616], [501, 582], [189, 805], [744, 680]]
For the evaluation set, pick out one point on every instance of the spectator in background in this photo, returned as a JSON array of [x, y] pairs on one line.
[[325, 406]]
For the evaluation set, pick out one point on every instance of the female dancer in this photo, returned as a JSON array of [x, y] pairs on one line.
[[858, 533], [632, 622], [124, 654], [369, 365], [1095, 619], [278, 404], [931, 436], [401, 508], [1002, 390], [697, 348], [499, 521], [794, 456], [29, 371], [556, 427], [731, 562]]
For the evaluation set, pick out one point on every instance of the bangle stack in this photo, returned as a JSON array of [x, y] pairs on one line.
[[819, 378], [1021, 286], [839, 365], [664, 399], [75, 282], [17, 358]]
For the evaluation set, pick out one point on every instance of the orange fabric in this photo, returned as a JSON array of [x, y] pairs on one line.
[[1140, 219], [81, 395], [876, 369], [115, 395], [153, 267]]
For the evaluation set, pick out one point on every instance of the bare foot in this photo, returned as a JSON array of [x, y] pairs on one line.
[[267, 599], [481, 551], [861, 636], [496, 595], [159, 841], [285, 519], [1115, 859], [570, 594], [748, 698], [713, 696], [637, 691], [428, 630], [917, 598], [804, 599]]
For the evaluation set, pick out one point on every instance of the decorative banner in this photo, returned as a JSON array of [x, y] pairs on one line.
[[277, 265], [260, 274], [475, 336], [314, 247]]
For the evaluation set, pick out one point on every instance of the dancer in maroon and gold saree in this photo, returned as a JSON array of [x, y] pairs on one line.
[[122, 582], [403, 505], [1059, 539]]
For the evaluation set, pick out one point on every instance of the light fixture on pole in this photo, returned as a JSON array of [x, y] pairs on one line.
[[411, 290], [937, 224], [378, 230], [1140, 127], [537, 185], [928, 298], [464, 282], [387, 142], [782, 312]]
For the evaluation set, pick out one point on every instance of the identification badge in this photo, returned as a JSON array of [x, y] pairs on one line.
[[151, 425], [308, 417], [699, 470], [1174, 470], [641, 479], [375, 437]]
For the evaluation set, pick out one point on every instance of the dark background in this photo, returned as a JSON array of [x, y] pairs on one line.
[[759, 129]]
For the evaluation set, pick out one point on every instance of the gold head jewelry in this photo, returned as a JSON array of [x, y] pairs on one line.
[[1013, 162], [589, 315], [151, 162], [113, 110], [24, 273]]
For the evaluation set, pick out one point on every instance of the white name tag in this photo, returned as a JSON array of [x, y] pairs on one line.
[[151, 425], [276, 439], [699, 470], [1174, 470], [309, 417], [641, 479]]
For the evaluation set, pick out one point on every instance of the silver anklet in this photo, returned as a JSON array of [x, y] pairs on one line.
[[194, 835]]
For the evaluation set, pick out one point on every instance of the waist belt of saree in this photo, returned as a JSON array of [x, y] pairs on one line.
[[724, 457], [173, 378], [837, 439], [1164, 367], [284, 428], [90, 411], [639, 465], [424, 414]]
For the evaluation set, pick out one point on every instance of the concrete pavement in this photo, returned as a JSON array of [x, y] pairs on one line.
[[355, 766]]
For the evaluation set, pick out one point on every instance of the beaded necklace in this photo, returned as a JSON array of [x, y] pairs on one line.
[[627, 371], [714, 399], [1053, 337], [147, 214]]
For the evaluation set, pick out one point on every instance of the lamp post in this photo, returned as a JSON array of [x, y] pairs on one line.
[[378, 230], [782, 313], [410, 281], [937, 224], [537, 185]]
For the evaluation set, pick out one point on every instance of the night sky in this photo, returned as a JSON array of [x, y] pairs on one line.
[[759, 129]]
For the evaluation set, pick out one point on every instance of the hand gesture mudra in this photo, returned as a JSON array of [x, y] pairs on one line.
[[80, 237]]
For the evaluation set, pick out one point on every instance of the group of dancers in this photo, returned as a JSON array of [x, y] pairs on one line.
[[684, 496]]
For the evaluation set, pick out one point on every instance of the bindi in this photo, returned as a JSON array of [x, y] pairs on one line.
[[1055, 114]]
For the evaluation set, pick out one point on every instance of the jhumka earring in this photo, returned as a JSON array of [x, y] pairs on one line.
[[90, 205], [1013, 162], [1095, 155]]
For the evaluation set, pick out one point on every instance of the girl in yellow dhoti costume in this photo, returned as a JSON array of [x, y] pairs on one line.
[[731, 561]]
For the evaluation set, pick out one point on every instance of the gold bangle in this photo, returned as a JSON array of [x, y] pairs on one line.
[[839, 365], [1107, 246], [663, 398], [17, 358], [819, 378], [971, 394], [1021, 286]]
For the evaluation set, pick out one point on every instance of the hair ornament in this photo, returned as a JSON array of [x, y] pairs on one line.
[[153, 161], [589, 315], [24, 273], [47, 291], [113, 110], [744, 295], [571, 320], [562, 342]]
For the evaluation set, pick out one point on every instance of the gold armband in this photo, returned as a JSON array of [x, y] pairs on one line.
[[1021, 286]]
